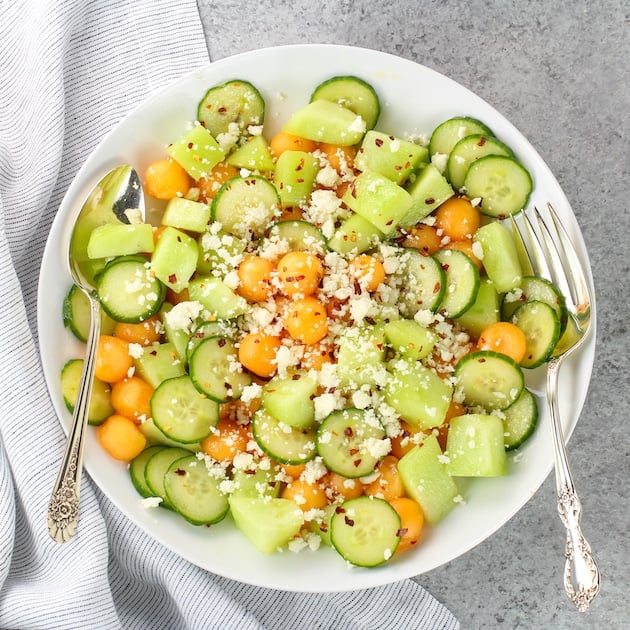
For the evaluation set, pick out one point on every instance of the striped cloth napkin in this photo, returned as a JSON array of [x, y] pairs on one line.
[[69, 71]]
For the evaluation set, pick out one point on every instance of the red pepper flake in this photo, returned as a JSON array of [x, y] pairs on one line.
[[300, 180], [180, 472], [378, 142], [221, 342], [501, 217], [481, 142], [300, 166], [357, 462], [481, 360], [398, 167], [339, 510], [172, 278], [190, 145], [222, 109], [445, 266], [436, 287], [300, 278], [389, 222], [429, 201], [402, 531], [349, 521], [348, 432], [296, 377]]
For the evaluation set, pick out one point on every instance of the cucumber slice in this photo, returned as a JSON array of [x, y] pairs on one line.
[[502, 184], [181, 412], [541, 325], [425, 283], [205, 330], [365, 531], [245, 206], [128, 291], [351, 92], [286, 444], [137, 468], [100, 407], [215, 370], [350, 442], [155, 469], [468, 150], [446, 135], [77, 314], [489, 379], [194, 491], [462, 282], [519, 420], [534, 288], [235, 101], [298, 235]]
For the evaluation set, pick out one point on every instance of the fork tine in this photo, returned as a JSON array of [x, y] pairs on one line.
[[559, 271], [579, 286]]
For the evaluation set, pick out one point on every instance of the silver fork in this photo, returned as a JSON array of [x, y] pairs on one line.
[[552, 256]]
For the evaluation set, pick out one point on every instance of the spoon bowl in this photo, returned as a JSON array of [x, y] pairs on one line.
[[117, 198]]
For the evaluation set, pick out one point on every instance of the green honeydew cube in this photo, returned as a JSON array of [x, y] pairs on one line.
[[500, 256], [410, 339], [185, 214], [484, 311], [355, 234], [174, 258], [196, 151], [120, 239], [268, 523], [217, 297], [295, 176], [428, 190], [289, 399], [420, 396], [158, 363], [425, 478], [325, 121], [379, 200], [253, 155], [390, 156], [475, 446]]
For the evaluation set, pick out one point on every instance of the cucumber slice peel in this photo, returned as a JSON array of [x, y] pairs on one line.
[[235, 101], [365, 531], [351, 92], [489, 379]]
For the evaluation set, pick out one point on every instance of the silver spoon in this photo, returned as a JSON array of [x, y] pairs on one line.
[[116, 198]]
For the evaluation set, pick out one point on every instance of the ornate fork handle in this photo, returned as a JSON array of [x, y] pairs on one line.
[[581, 576], [63, 509]]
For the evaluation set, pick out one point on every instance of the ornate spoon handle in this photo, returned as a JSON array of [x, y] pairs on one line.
[[582, 579], [63, 509]]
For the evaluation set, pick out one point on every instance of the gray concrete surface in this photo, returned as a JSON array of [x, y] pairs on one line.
[[560, 71]]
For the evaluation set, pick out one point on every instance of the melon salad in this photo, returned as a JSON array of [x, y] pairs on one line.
[[327, 330]]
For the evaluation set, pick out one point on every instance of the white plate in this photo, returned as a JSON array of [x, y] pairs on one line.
[[414, 100]]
